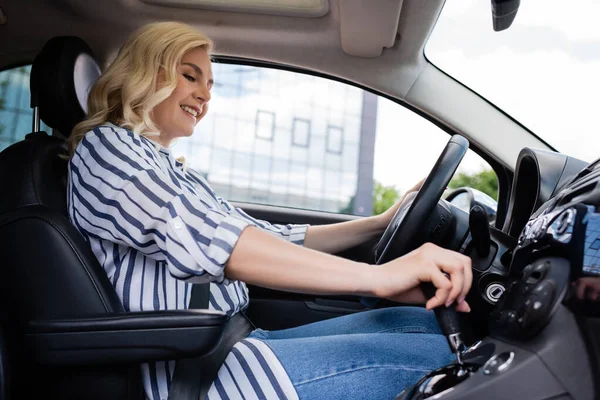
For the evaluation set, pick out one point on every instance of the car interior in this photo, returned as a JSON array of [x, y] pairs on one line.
[[64, 333]]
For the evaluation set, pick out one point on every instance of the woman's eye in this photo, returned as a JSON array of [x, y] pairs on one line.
[[189, 78]]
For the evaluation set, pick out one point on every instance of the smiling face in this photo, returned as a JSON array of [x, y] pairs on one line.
[[177, 115]]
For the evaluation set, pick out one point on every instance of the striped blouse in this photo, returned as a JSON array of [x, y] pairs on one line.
[[156, 228]]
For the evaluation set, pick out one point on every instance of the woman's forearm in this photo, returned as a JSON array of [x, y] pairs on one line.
[[260, 259], [334, 238]]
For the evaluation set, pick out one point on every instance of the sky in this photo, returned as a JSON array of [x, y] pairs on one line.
[[544, 70]]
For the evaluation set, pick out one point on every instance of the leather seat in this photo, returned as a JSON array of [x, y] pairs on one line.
[[64, 319]]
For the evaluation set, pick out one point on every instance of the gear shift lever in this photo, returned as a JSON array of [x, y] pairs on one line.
[[448, 320]]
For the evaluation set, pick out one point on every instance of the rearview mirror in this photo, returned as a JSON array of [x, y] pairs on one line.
[[504, 13]]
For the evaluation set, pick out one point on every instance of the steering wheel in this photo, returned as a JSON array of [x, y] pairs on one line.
[[401, 234]]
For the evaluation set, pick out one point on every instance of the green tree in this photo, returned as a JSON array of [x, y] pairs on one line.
[[384, 197], [486, 181]]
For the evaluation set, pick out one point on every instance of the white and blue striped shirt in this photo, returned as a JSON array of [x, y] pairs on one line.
[[156, 228]]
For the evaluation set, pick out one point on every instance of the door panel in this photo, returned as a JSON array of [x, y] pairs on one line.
[[285, 215]]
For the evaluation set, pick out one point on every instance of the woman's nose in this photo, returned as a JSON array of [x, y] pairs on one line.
[[203, 95]]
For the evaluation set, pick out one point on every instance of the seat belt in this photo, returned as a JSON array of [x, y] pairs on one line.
[[194, 376], [199, 296], [237, 328], [185, 384]]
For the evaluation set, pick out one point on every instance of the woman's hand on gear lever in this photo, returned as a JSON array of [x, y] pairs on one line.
[[450, 272]]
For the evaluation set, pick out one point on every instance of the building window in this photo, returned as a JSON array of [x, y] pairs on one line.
[[335, 139], [265, 125], [301, 132]]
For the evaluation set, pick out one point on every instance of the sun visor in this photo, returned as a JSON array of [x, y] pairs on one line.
[[368, 26]]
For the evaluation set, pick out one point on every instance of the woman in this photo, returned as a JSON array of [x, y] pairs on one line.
[[156, 227]]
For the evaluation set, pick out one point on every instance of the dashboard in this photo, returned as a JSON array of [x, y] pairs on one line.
[[553, 214], [543, 340]]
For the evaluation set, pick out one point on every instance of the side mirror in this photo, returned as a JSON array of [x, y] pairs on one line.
[[504, 13]]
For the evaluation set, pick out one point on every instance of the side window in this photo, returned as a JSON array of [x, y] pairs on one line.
[[15, 110], [283, 138]]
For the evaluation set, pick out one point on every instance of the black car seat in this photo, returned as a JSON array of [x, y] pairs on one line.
[[48, 269], [66, 329]]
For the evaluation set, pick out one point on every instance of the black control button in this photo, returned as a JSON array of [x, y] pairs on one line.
[[544, 289], [511, 318], [538, 273], [506, 319], [527, 270], [502, 320], [537, 305], [534, 314]]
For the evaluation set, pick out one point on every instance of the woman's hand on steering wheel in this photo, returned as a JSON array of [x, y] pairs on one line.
[[385, 217], [449, 271]]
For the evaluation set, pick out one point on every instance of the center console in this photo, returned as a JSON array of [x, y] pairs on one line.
[[535, 348]]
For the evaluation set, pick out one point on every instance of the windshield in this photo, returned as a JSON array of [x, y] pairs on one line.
[[544, 71]]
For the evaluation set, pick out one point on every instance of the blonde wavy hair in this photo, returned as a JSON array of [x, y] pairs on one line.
[[126, 93]]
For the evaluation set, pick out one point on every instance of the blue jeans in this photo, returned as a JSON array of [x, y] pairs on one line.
[[370, 355]]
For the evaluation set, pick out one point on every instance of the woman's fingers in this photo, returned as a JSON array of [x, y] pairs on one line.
[[459, 269], [587, 288], [580, 290], [455, 265], [443, 287], [463, 307], [468, 268], [449, 271], [457, 278]]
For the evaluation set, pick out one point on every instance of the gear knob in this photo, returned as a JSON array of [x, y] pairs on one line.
[[449, 323]]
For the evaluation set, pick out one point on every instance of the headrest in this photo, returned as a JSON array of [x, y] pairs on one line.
[[61, 78]]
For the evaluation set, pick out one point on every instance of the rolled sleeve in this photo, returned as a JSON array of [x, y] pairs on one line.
[[294, 233]]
